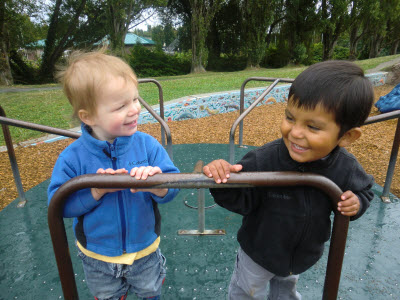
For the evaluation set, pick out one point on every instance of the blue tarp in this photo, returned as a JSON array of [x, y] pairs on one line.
[[389, 102]]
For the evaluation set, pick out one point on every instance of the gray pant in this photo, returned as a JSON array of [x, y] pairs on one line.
[[250, 281]]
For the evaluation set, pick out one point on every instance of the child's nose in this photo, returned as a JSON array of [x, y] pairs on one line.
[[297, 131], [134, 108]]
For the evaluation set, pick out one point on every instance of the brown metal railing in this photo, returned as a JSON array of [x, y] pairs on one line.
[[375, 119], [194, 180], [243, 113]]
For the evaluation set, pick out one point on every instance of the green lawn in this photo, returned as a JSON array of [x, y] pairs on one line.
[[51, 108]]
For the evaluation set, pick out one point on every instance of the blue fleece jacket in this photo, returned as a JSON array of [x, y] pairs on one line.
[[120, 222]]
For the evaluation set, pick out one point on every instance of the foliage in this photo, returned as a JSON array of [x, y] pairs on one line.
[[23, 71], [147, 63], [299, 54], [317, 53], [341, 53], [73, 24], [121, 15], [227, 63], [276, 57], [256, 17]]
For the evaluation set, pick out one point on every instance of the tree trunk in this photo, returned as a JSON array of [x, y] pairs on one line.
[[393, 48], [197, 66], [198, 35], [375, 46], [5, 69]]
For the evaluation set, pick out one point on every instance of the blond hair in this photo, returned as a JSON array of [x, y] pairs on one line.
[[86, 74]]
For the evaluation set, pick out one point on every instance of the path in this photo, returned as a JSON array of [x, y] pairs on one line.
[[384, 65]]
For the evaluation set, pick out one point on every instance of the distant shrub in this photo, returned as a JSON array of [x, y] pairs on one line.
[[275, 57], [341, 53], [23, 70], [316, 53], [299, 54], [226, 63], [148, 63]]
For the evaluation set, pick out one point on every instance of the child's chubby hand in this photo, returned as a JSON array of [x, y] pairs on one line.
[[141, 173], [349, 204], [98, 193], [220, 170]]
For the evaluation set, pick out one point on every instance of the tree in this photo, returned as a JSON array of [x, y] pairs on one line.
[[256, 18], [225, 31], [5, 69], [123, 15], [14, 22], [300, 23], [73, 24], [202, 14], [393, 26], [335, 20]]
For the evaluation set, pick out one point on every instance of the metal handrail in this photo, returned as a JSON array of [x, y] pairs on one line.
[[395, 149], [164, 126], [161, 99], [241, 108], [193, 180], [243, 113]]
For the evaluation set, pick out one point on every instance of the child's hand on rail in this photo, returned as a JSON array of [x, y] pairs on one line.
[[349, 204], [220, 170], [141, 173], [98, 193]]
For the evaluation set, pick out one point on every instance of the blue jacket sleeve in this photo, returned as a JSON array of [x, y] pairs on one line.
[[78, 203]]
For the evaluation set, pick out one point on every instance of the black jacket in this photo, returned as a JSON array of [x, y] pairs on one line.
[[284, 228]]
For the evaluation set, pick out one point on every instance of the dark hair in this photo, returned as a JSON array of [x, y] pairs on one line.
[[340, 87]]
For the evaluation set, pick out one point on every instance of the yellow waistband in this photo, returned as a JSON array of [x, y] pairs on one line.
[[126, 258]]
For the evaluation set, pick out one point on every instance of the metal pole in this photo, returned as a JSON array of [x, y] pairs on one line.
[[161, 98], [392, 164], [13, 162]]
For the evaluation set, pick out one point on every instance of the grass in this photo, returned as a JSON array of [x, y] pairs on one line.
[[51, 108]]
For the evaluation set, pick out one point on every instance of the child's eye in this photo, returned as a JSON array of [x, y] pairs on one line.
[[313, 127], [289, 118]]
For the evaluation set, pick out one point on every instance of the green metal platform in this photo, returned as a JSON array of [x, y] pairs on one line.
[[198, 267]]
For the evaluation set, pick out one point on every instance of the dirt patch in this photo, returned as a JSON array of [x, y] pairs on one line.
[[261, 125]]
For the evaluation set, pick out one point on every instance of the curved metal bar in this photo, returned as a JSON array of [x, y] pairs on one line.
[[163, 125], [59, 237], [382, 117], [241, 108], [244, 114], [161, 99]]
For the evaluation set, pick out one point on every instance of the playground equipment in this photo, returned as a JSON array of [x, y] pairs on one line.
[[196, 181], [59, 238]]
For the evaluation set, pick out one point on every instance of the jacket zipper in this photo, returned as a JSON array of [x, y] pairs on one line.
[[305, 227], [120, 201]]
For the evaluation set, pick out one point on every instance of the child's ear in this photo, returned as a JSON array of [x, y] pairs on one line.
[[85, 117], [349, 137]]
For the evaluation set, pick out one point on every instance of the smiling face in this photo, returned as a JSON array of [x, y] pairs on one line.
[[117, 110], [309, 135]]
